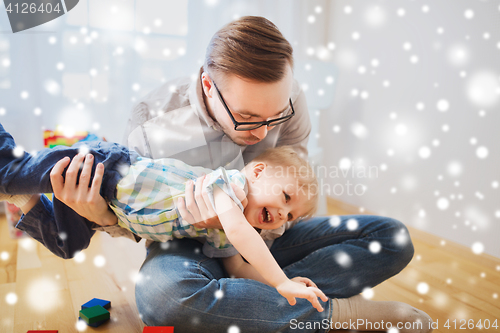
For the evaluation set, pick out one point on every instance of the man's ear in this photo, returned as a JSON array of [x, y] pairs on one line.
[[258, 169], [207, 85]]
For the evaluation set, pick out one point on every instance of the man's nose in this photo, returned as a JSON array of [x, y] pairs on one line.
[[260, 132]]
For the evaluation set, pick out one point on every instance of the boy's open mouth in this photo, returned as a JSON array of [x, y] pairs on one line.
[[266, 216]]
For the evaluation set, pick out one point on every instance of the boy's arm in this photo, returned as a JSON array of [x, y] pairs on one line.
[[251, 246], [246, 240]]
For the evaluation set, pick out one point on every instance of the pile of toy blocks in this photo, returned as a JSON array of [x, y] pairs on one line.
[[95, 312], [59, 138]]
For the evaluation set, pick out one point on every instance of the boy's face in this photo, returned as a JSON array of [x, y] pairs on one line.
[[273, 197]]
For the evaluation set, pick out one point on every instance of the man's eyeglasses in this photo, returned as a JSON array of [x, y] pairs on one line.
[[251, 125]]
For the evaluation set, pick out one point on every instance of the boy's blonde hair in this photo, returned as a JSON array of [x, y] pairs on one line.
[[286, 160]]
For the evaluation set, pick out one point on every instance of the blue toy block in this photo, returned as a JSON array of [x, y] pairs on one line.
[[97, 301]]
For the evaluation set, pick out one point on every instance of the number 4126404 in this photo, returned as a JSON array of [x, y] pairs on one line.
[[463, 324], [26, 8]]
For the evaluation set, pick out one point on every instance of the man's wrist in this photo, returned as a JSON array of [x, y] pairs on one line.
[[109, 219]]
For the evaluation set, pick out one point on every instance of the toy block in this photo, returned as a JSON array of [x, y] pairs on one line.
[[46, 331], [94, 315], [158, 329], [97, 301], [99, 323]]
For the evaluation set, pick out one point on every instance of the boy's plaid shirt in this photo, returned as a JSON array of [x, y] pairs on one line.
[[146, 198]]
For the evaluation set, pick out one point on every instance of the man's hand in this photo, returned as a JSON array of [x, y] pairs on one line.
[[291, 289], [85, 201], [196, 208]]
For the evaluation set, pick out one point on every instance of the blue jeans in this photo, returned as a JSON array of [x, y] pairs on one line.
[[181, 287], [54, 224]]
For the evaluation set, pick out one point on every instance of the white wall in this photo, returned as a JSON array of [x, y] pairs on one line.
[[432, 130]]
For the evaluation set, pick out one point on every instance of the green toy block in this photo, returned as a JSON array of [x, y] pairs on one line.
[[94, 314]]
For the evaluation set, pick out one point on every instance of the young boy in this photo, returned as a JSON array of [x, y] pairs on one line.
[[142, 192]]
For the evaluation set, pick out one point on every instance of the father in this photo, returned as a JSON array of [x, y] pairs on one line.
[[243, 101]]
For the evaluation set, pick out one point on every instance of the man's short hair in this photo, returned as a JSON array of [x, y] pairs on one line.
[[250, 47]]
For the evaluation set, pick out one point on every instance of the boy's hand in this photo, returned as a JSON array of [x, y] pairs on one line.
[[84, 200], [307, 282], [291, 289]]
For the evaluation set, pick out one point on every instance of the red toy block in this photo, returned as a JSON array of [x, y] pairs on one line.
[[42, 331], [158, 329]]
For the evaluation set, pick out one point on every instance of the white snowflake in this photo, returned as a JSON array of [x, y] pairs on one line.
[[335, 221], [52, 87], [443, 203], [352, 224], [443, 105], [79, 257], [219, 294], [469, 14], [374, 247], [424, 152], [455, 168], [233, 329], [423, 288], [99, 261], [368, 293], [343, 259], [477, 248], [18, 152], [482, 152], [81, 325]]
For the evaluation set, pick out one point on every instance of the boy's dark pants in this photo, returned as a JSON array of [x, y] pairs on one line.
[[54, 224]]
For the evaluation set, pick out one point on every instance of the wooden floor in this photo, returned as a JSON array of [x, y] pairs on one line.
[[49, 290]]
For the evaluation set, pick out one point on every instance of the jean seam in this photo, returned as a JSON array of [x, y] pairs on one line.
[[199, 262], [299, 261], [315, 240]]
